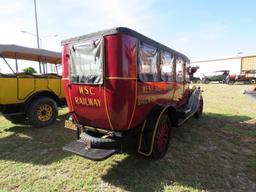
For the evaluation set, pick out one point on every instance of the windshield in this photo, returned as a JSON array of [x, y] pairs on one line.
[[86, 62]]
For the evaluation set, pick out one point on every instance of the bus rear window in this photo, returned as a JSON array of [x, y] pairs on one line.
[[86, 62]]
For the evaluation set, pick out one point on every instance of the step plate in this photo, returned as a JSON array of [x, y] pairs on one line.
[[78, 148]]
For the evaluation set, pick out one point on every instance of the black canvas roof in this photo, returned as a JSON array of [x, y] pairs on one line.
[[123, 30]]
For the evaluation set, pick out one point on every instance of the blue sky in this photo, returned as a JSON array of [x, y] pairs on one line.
[[199, 28]]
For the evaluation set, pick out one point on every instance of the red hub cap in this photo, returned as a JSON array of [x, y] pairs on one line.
[[162, 137]]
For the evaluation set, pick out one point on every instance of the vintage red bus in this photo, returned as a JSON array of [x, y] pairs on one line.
[[124, 89]]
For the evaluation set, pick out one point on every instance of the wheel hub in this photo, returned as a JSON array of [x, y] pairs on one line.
[[44, 112]]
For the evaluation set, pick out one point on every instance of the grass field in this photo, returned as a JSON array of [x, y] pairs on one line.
[[215, 153]]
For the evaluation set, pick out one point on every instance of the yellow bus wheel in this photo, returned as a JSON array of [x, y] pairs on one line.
[[42, 112]]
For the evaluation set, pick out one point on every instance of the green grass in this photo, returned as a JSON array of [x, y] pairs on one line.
[[215, 153]]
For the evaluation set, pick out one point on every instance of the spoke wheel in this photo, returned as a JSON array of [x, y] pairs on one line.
[[45, 112], [42, 112], [162, 137]]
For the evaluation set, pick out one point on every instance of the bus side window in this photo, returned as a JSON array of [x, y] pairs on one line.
[[166, 66], [148, 71], [179, 70]]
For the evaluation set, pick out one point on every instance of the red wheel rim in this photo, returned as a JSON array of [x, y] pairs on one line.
[[162, 137]]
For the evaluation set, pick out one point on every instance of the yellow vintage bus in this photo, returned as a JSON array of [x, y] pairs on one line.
[[27, 97]]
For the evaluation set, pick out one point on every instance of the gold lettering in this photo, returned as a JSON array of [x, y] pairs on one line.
[[81, 90], [91, 92], [81, 101], [145, 100], [77, 100], [99, 102], [95, 102], [86, 90], [88, 102]]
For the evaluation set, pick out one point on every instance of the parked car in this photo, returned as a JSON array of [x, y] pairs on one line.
[[219, 76], [245, 77], [26, 97], [125, 90]]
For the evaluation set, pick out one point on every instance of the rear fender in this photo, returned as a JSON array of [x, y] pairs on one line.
[[148, 132]]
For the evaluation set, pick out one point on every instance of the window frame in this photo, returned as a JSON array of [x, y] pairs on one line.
[[183, 69], [173, 71], [140, 44], [102, 64]]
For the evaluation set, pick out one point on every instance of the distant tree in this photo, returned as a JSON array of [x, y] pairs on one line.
[[30, 70]]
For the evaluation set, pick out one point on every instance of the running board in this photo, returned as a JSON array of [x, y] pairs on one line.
[[80, 148], [192, 105]]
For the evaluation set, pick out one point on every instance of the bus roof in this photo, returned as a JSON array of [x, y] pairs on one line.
[[123, 30], [31, 54]]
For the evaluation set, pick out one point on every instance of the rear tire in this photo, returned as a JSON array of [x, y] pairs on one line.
[[42, 112], [162, 137], [230, 82], [252, 81]]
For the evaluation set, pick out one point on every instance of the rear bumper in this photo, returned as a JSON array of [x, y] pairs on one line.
[[79, 147], [92, 143], [99, 145]]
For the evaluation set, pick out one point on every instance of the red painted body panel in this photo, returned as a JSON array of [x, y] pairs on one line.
[[120, 65], [121, 56], [65, 78], [122, 102]]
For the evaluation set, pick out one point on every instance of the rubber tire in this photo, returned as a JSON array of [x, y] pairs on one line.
[[231, 82], [16, 119], [252, 81], [205, 81], [199, 112], [102, 143], [32, 112], [156, 154]]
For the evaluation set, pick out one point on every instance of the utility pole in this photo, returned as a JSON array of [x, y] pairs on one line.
[[37, 34]]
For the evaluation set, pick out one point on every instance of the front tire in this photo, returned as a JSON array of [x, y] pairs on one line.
[[42, 112]]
